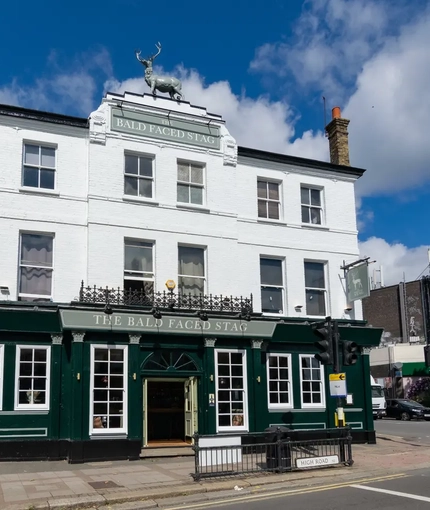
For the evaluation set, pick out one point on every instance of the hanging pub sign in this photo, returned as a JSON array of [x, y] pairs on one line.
[[357, 283]]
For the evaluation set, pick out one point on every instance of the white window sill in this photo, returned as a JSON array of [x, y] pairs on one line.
[[31, 409], [108, 434], [314, 226], [314, 408], [39, 191], [282, 409], [274, 314], [271, 222], [193, 207], [139, 200], [232, 430]]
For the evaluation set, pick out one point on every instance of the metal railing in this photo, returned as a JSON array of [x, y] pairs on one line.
[[275, 451], [165, 300]]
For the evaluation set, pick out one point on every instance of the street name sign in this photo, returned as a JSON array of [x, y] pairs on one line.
[[311, 462]]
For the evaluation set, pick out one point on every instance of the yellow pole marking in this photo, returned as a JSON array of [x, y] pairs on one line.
[[292, 492]]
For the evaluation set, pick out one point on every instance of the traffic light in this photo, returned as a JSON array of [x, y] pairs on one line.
[[323, 330], [349, 352], [427, 355]]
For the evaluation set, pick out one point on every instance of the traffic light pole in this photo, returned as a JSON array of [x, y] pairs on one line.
[[336, 370]]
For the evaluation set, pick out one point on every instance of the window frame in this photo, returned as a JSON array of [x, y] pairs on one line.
[[32, 407], [37, 297], [290, 403], [204, 278], [136, 277], [305, 405], [191, 184], [325, 289], [1, 374], [310, 206], [107, 431], [267, 200], [283, 288], [39, 167], [233, 428], [139, 177]]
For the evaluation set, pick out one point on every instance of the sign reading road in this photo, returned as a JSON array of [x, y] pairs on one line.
[[338, 385], [312, 462]]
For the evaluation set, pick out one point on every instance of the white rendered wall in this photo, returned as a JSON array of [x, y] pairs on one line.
[[91, 217]]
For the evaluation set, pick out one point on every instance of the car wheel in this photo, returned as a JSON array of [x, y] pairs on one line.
[[405, 416]]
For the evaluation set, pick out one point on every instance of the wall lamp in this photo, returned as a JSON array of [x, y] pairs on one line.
[[156, 313], [298, 308], [108, 309], [348, 308], [4, 290], [245, 315], [203, 316]]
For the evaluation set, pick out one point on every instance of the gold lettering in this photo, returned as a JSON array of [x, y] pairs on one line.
[[179, 325], [131, 321], [117, 321], [188, 324], [171, 323], [243, 326], [97, 317], [107, 321]]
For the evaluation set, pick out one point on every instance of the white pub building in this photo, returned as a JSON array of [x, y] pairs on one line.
[[158, 280]]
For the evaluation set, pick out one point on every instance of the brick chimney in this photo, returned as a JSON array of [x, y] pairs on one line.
[[337, 131]]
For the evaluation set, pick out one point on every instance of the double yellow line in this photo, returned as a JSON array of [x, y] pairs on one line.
[[293, 492]]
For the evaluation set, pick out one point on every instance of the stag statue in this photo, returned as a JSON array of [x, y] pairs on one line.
[[161, 83]]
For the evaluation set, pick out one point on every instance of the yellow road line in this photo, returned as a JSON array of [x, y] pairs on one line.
[[291, 492]]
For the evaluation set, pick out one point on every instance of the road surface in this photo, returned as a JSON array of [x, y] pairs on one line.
[[395, 492], [410, 431]]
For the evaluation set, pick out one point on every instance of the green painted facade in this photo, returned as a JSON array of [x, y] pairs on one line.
[[63, 431]]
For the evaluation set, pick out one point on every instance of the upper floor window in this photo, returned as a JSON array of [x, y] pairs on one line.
[[39, 166], [315, 288], [138, 266], [138, 176], [279, 380], [312, 382], [269, 203], [272, 286], [311, 205], [190, 183], [32, 377], [191, 270], [35, 267]]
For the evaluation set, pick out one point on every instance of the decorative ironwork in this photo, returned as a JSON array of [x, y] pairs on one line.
[[169, 361], [166, 300], [275, 451]]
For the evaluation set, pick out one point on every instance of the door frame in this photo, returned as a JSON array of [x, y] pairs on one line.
[[194, 401]]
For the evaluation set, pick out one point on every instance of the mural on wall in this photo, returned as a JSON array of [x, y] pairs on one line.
[[414, 313]]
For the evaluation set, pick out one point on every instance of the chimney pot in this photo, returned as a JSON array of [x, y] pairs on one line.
[[335, 113]]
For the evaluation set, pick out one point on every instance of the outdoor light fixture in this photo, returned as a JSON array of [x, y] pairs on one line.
[[108, 309], [203, 316], [171, 285], [245, 315], [4, 290], [348, 308], [156, 313], [298, 307]]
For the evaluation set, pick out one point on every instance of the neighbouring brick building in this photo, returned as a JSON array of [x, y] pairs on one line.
[[149, 193], [403, 312]]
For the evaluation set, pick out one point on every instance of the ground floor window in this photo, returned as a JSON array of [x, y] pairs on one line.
[[312, 381], [32, 377], [279, 381], [108, 412], [230, 367]]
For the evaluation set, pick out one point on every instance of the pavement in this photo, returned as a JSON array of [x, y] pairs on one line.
[[160, 482]]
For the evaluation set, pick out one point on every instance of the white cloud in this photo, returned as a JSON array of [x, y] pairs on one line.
[[331, 41], [390, 113], [64, 88], [258, 123], [398, 261]]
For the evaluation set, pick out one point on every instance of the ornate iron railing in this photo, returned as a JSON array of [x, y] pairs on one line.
[[165, 300], [274, 451]]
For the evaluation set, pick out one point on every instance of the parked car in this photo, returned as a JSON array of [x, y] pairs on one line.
[[403, 409]]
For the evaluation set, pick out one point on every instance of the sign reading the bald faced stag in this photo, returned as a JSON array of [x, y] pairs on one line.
[[163, 128]]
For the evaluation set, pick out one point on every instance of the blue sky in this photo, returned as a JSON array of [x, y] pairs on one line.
[[264, 67]]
